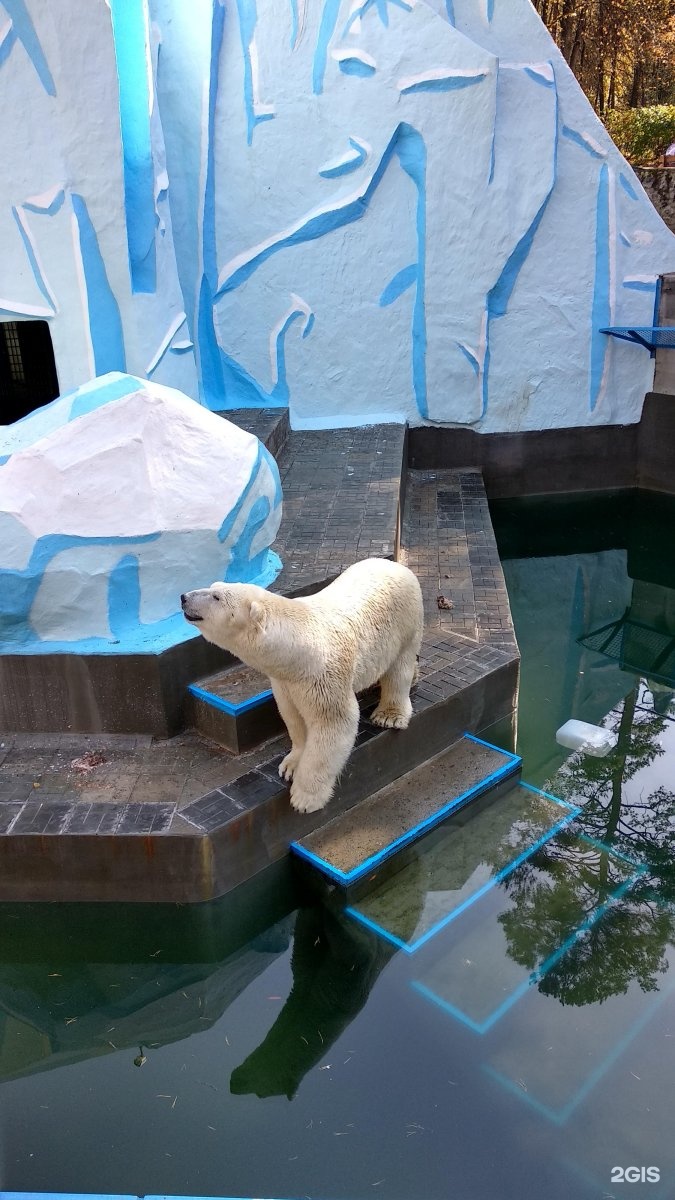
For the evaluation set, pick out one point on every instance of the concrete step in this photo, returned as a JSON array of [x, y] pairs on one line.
[[358, 845], [270, 425], [234, 708]]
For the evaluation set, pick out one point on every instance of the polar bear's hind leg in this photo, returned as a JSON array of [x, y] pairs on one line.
[[395, 710]]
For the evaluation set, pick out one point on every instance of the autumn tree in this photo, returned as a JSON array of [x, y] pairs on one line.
[[621, 51]]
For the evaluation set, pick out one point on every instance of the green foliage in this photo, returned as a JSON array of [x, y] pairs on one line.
[[642, 134]]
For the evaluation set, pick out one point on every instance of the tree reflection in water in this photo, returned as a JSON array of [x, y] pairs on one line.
[[636, 821], [558, 890]]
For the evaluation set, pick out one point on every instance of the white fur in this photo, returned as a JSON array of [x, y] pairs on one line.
[[318, 652]]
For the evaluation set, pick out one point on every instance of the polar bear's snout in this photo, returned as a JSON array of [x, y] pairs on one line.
[[194, 604], [224, 612]]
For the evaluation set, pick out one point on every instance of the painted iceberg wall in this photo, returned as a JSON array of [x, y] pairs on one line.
[[418, 216], [366, 210], [86, 240], [116, 498]]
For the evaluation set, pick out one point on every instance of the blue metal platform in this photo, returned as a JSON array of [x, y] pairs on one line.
[[651, 337]]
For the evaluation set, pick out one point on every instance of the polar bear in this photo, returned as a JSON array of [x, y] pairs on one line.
[[318, 652]]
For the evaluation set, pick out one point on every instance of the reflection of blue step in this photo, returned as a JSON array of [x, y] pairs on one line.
[[355, 845], [562, 1063], [479, 975], [462, 861]]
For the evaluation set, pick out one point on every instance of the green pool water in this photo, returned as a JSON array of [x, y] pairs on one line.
[[524, 1046]]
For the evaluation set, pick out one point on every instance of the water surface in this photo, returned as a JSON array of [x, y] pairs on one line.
[[520, 1040]]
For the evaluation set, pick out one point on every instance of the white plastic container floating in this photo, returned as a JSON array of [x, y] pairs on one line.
[[590, 739]]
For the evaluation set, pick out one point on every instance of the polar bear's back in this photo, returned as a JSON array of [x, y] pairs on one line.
[[378, 578], [374, 610]]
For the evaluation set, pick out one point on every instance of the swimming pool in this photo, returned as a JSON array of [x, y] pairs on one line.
[[527, 1047]]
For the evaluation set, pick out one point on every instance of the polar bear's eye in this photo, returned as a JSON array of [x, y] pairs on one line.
[[221, 598]]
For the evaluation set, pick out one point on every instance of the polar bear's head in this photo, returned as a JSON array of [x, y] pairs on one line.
[[231, 615], [267, 631]]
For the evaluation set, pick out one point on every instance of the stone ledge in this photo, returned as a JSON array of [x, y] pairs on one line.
[[207, 847]]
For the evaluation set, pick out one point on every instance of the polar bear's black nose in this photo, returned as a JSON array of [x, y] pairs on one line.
[[182, 600]]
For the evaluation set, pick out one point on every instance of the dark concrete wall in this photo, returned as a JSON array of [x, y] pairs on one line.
[[656, 442], [536, 461], [539, 462], [141, 693]]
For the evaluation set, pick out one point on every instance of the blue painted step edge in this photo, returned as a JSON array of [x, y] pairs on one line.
[[232, 710], [344, 878]]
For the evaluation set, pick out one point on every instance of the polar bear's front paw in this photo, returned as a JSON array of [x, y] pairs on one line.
[[308, 801], [288, 765], [390, 717]]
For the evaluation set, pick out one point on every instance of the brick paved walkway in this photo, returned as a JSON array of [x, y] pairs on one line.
[[341, 497]]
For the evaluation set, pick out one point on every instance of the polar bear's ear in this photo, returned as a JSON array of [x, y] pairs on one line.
[[258, 614]]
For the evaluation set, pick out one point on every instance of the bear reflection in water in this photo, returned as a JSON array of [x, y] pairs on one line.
[[335, 964]]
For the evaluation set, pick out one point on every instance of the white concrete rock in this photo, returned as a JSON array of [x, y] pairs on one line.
[[116, 498]]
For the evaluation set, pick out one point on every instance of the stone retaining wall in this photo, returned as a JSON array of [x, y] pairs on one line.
[[659, 184]]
